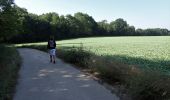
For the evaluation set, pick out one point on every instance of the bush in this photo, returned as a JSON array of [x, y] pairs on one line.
[[107, 69], [76, 56]]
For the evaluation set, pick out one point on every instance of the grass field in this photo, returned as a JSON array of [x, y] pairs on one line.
[[146, 52]]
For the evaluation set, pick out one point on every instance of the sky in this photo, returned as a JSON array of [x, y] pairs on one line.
[[139, 13]]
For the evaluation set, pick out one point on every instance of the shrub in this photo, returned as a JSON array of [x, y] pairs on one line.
[[76, 56], [108, 70]]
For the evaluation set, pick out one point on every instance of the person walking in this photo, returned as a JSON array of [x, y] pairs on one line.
[[52, 49]]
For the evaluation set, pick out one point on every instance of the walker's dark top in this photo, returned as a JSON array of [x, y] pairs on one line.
[[51, 44]]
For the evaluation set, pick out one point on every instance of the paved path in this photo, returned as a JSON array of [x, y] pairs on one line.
[[41, 80]]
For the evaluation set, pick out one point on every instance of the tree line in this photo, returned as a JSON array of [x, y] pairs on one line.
[[17, 25]]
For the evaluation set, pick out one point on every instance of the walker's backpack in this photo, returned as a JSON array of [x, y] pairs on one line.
[[51, 44]]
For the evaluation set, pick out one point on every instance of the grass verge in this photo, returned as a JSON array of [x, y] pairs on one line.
[[9, 66]]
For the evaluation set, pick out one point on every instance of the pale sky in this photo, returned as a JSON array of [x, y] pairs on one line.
[[140, 13]]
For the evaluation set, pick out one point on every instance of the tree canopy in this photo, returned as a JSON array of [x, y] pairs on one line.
[[8, 19], [18, 25]]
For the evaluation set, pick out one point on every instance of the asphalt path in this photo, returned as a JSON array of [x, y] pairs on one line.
[[41, 80]]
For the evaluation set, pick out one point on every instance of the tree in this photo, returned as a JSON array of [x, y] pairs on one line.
[[74, 26], [88, 24], [34, 28], [103, 27], [22, 14], [119, 26], [5, 5], [8, 19], [139, 32], [52, 18], [130, 30]]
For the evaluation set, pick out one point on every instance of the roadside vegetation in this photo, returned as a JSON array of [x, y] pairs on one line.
[[9, 67], [143, 78]]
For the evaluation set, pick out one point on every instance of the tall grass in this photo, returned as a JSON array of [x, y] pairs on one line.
[[141, 84], [9, 66]]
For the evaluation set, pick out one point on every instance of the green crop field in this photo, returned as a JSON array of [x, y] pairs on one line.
[[146, 52]]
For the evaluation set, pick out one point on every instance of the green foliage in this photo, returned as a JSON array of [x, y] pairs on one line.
[[8, 20], [5, 4], [33, 28], [9, 66], [104, 28], [152, 32], [118, 26], [88, 24], [74, 55], [109, 70]]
